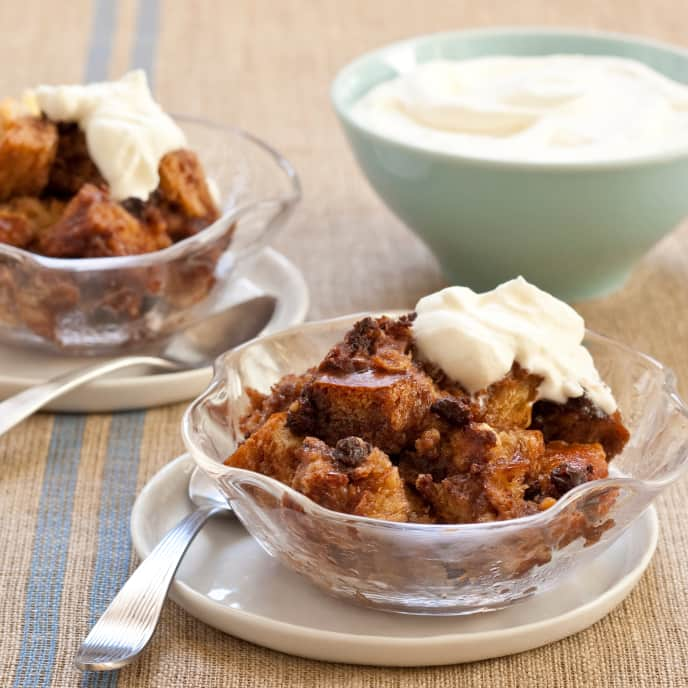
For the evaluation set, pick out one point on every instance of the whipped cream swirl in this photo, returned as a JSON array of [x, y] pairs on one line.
[[127, 132], [476, 338]]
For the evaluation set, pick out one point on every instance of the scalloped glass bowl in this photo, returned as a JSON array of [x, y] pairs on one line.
[[100, 305], [437, 569]]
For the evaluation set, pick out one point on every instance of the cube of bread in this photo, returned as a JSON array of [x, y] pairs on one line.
[[271, 450], [183, 182], [385, 409], [580, 421], [27, 151], [505, 475], [23, 218], [15, 229], [444, 451], [475, 473], [353, 478], [93, 225], [565, 466], [508, 403], [458, 498]]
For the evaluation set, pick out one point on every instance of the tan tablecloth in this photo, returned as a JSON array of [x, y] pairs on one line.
[[266, 65]]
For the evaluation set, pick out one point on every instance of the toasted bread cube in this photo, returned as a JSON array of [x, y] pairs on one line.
[[505, 476], [385, 409], [282, 394], [93, 225], [580, 421], [271, 450], [456, 499], [21, 219], [475, 474], [15, 229], [353, 477], [565, 466], [27, 151], [183, 184], [508, 403]]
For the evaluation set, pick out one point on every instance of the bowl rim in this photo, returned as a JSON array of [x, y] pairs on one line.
[[310, 507], [640, 160], [206, 236]]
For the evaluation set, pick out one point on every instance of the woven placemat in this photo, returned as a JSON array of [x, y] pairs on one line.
[[69, 481]]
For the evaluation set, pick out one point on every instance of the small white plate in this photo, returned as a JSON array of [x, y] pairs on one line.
[[227, 581], [267, 271]]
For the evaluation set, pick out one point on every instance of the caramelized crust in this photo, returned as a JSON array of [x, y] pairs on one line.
[[456, 499], [505, 475], [564, 466], [367, 386], [184, 200], [27, 150], [22, 218], [282, 395], [388, 436], [360, 481], [580, 421], [352, 477], [386, 409], [94, 225], [271, 450]]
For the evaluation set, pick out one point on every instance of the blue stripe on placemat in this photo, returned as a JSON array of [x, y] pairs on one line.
[[121, 468], [54, 521], [102, 36], [116, 499], [49, 555], [145, 42]]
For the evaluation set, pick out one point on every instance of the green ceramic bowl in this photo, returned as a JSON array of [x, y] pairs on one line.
[[574, 229]]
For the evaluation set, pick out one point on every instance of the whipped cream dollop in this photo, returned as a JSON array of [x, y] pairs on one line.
[[476, 338], [127, 132], [548, 108]]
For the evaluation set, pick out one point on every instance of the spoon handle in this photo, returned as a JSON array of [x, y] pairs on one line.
[[20, 406], [127, 625]]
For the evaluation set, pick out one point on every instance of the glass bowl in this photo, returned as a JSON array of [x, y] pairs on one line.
[[102, 305], [437, 569]]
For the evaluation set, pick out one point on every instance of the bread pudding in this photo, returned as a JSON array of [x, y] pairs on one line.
[[379, 430], [99, 171], [55, 201]]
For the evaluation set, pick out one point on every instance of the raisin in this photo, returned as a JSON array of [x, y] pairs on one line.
[[454, 411], [566, 477], [532, 492], [301, 415], [352, 451]]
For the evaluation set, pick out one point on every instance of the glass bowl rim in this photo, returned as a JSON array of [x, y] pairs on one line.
[[206, 236], [669, 390]]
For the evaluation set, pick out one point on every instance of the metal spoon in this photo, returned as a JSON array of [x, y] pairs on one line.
[[127, 625], [196, 347]]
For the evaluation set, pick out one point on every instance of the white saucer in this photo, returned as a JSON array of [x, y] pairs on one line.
[[228, 582], [267, 271]]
